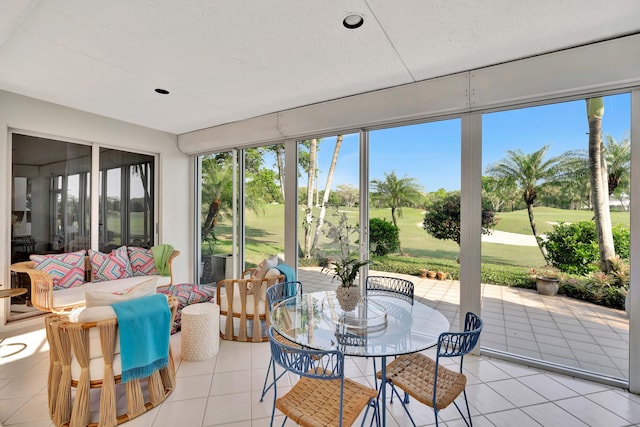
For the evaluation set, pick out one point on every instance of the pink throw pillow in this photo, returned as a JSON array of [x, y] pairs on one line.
[[142, 262], [66, 270], [111, 266]]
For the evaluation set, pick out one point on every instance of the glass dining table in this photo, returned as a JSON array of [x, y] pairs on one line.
[[381, 325]]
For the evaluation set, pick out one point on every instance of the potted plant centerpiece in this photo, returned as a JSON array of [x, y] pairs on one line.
[[345, 268]]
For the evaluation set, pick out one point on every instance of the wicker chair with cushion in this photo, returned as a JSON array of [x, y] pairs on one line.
[[429, 382], [275, 294], [243, 317], [85, 357], [322, 396]]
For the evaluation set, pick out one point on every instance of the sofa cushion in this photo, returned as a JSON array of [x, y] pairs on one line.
[[66, 270], [187, 294], [142, 262], [112, 266], [106, 294], [264, 266]]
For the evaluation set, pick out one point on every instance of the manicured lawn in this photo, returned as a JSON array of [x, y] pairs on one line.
[[265, 234]]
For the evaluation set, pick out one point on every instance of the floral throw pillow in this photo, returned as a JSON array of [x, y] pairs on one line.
[[66, 270], [142, 262], [111, 266]]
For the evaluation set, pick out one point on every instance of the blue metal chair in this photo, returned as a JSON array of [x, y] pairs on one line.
[[389, 286], [322, 396], [384, 285], [429, 382], [275, 294]]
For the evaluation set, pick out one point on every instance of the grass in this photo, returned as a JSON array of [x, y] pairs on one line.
[[265, 235]]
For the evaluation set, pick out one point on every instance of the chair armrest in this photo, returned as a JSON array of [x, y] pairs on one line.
[[173, 255], [41, 285]]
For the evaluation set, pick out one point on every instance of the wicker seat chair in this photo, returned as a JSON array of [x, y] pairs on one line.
[[84, 356], [322, 396], [430, 383], [275, 294]]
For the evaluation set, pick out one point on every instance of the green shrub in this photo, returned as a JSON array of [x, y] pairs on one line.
[[384, 237], [573, 248]]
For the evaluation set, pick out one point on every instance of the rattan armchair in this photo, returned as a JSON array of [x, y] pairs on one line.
[[322, 396], [244, 310], [84, 356], [431, 383]]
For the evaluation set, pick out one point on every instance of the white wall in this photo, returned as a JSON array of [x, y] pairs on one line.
[[175, 182]]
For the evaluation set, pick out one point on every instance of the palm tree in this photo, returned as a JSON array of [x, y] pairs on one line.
[[528, 172], [618, 155], [599, 183], [395, 193], [327, 192], [308, 210]]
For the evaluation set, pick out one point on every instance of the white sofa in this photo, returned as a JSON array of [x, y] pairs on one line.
[[46, 297]]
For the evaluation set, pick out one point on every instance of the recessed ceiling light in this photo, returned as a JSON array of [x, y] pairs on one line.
[[353, 21], [162, 91]]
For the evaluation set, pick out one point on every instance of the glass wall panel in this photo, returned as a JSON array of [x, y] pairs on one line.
[[538, 180], [328, 192], [216, 216], [49, 209], [414, 173], [126, 199], [264, 203]]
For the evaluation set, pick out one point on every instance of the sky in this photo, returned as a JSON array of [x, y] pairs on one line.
[[430, 152]]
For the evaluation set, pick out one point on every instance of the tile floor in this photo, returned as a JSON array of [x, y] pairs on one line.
[[224, 390]]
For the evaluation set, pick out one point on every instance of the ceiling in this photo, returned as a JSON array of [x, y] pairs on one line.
[[228, 60]]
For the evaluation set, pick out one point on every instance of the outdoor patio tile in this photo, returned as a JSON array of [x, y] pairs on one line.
[[560, 360], [580, 346], [488, 339], [522, 343], [601, 368], [554, 332], [555, 350], [612, 344], [548, 339], [593, 415], [543, 323], [574, 336], [519, 326]]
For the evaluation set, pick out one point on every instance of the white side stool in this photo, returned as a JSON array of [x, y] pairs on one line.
[[200, 331]]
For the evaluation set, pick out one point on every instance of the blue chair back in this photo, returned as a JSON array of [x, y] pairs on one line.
[[320, 364], [384, 285], [282, 291], [457, 344]]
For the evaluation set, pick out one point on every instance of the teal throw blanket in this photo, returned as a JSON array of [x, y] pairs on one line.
[[161, 255], [144, 325], [289, 273]]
